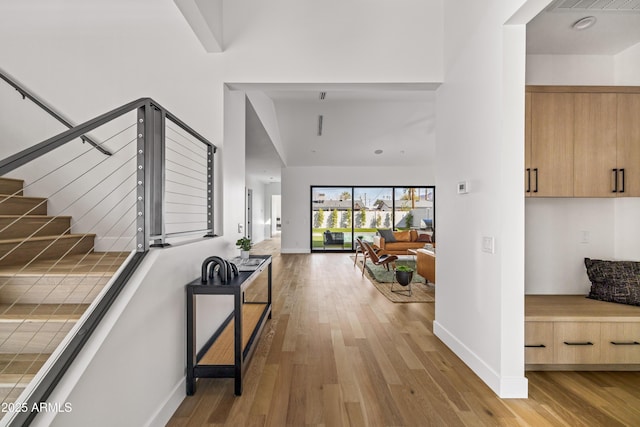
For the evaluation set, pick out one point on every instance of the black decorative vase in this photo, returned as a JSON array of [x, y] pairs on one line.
[[404, 277]]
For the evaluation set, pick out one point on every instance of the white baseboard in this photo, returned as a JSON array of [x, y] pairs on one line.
[[504, 387], [166, 410], [294, 251]]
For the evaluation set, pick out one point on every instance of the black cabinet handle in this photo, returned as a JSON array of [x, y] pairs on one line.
[[626, 343], [536, 172], [578, 343], [615, 180], [622, 173], [535, 346], [528, 181]]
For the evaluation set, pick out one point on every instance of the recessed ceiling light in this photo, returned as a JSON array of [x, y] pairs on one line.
[[584, 23], [323, 95], [378, 151]]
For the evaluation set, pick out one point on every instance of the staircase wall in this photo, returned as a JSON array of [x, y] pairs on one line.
[[132, 370]]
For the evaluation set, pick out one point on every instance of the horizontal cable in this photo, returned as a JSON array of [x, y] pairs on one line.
[[186, 185], [201, 146], [202, 175], [191, 159], [186, 195]]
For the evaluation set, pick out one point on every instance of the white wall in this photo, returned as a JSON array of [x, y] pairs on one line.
[[296, 194], [570, 70], [627, 64], [480, 129], [86, 58]]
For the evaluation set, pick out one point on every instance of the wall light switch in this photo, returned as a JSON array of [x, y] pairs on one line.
[[240, 228], [584, 234], [463, 187], [488, 244]]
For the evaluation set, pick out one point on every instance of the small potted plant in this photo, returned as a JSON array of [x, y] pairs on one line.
[[244, 244], [404, 274]]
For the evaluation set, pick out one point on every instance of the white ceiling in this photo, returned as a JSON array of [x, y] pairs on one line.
[[617, 28], [357, 121], [400, 119]]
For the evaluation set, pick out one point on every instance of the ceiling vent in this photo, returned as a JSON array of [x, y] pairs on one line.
[[595, 6]]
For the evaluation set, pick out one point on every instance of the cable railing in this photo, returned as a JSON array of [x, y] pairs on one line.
[[74, 224]]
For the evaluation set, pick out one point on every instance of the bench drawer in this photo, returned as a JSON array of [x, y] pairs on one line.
[[538, 342], [620, 342], [576, 342]]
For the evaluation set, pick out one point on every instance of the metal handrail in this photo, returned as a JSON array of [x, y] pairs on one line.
[[25, 156], [150, 142], [28, 95]]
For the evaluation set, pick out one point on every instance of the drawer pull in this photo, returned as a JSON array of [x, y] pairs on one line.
[[535, 346], [578, 343], [626, 343]]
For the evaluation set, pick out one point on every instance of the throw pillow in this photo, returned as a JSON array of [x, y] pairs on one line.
[[424, 237], [402, 236], [614, 281], [387, 235]]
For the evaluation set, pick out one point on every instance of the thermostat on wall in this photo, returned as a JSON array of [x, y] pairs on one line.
[[463, 187]]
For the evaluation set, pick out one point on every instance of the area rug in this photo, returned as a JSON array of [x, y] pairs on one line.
[[381, 279]]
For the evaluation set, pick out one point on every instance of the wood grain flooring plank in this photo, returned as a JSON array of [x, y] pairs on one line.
[[337, 352]]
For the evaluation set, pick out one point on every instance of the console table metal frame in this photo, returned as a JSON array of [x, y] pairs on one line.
[[235, 287]]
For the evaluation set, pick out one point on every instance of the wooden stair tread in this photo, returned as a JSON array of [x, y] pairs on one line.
[[45, 238], [40, 312], [34, 216], [92, 264], [221, 352]]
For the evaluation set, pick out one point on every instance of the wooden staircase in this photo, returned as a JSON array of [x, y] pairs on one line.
[[48, 278]]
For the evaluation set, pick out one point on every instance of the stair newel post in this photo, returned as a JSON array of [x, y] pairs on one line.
[[151, 170]]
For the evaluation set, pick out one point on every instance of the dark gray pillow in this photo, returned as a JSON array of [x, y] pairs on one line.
[[387, 235], [614, 281]]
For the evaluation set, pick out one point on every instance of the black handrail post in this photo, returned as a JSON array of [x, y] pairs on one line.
[[210, 151], [151, 141]]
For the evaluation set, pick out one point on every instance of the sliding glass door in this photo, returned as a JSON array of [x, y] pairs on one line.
[[339, 214]]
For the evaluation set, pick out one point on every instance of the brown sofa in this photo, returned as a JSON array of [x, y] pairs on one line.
[[404, 240]]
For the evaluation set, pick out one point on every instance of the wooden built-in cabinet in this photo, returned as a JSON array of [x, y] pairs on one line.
[[573, 332], [582, 141]]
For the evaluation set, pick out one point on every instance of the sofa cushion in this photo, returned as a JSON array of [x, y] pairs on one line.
[[424, 237], [402, 236], [387, 235], [614, 281]]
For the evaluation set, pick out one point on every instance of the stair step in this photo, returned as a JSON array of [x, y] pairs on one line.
[[19, 205], [11, 186], [44, 247], [76, 279], [36, 328], [16, 226]]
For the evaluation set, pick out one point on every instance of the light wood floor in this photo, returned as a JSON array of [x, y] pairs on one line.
[[337, 353]]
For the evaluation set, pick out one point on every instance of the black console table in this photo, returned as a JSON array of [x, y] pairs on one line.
[[229, 349]]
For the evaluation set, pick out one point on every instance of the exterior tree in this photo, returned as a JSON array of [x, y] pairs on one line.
[[345, 195], [387, 220], [333, 219], [346, 218], [363, 217], [408, 219], [378, 220], [319, 220]]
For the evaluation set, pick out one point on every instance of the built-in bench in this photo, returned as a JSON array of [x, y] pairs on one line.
[[572, 332]]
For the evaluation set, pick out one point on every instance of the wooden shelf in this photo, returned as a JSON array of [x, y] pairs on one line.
[[226, 353], [577, 308], [221, 352]]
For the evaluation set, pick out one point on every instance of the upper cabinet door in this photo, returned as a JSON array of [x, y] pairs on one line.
[[595, 145], [629, 145], [527, 145], [552, 118]]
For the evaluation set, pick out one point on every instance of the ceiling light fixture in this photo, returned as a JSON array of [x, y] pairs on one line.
[[323, 95], [320, 125], [378, 152], [584, 23]]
